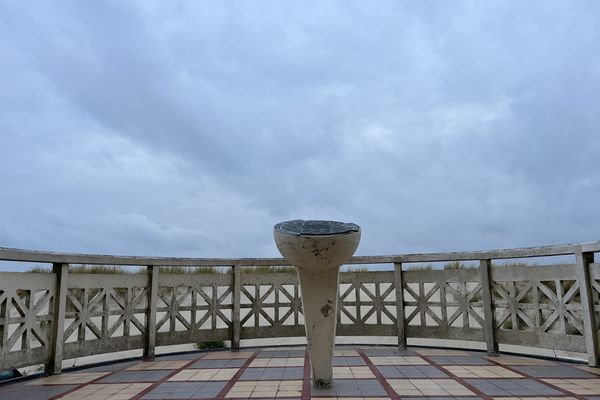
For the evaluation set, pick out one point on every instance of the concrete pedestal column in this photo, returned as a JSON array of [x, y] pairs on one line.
[[319, 302], [317, 249]]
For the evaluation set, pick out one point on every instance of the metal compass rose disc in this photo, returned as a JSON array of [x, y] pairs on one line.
[[316, 227]]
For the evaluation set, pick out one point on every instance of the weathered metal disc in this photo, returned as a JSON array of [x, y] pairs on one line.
[[316, 227]]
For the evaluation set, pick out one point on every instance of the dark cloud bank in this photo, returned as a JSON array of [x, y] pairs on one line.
[[172, 128]]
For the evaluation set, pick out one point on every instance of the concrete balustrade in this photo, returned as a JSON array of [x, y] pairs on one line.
[[49, 317]]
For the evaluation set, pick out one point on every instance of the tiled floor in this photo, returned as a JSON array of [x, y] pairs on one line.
[[344, 361], [184, 390], [577, 386], [275, 373], [533, 398], [21, 392], [235, 363], [135, 376], [352, 388], [512, 387], [360, 373], [515, 360], [281, 352], [544, 371], [588, 369], [459, 360], [441, 352], [146, 365], [228, 355], [69, 379], [345, 353], [350, 398], [411, 371]]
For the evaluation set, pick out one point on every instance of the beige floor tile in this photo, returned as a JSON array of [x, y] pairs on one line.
[[278, 362], [352, 372], [398, 360], [289, 393], [481, 371], [429, 387], [113, 391], [407, 392], [206, 374]]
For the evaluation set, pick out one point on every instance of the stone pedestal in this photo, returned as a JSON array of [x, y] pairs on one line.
[[317, 249]]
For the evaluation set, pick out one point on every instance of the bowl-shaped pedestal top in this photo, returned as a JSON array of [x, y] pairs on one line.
[[316, 244]]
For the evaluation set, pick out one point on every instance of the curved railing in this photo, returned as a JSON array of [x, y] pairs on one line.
[[48, 317]]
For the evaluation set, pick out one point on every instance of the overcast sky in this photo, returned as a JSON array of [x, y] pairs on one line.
[[190, 128]]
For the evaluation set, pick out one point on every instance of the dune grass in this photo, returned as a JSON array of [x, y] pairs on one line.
[[267, 270], [168, 270], [173, 270]]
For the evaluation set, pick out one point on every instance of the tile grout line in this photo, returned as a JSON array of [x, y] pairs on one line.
[[231, 382], [378, 375], [306, 379]]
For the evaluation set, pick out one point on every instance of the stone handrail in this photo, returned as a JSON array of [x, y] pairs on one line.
[[12, 254], [45, 317]]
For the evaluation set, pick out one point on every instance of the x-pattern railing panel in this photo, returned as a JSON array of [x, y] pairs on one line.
[[270, 300], [367, 298], [198, 302], [101, 308], [26, 315], [274, 300], [595, 293], [546, 302], [442, 299]]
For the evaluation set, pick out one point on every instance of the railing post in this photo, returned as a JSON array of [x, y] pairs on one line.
[[150, 342], [235, 314], [400, 321], [489, 328], [587, 304], [61, 271]]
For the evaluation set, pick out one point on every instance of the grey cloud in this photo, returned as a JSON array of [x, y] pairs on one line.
[[191, 128]]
